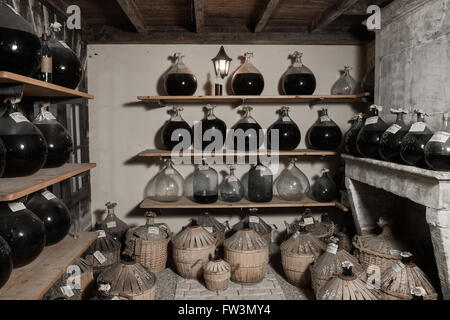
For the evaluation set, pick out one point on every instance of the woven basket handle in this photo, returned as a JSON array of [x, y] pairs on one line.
[[166, 226], [358, 241]]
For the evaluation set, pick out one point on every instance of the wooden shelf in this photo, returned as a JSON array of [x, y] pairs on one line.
[[15, 188], [32, 281], [255, 99], [37, 88], [185, 203], [298, 152]]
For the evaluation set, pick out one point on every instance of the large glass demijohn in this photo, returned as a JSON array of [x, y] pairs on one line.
[[231, 189], [324, 189], [298, 79], [324, 134], [180, 80], [437, 150], [205, 184], [292, 184], [247, 80], [370, 134], [167, 185], [288, 132], [260, 183], [351, 135], [345, 85], [391, 139], [247, 133], [176, 130], [214, 131], [6, 262]]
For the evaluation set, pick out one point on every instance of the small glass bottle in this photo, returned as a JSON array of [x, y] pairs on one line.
[[288, 132], [325, 134], [260, 183], [247, 80], [298, 79], [176, 130], [345, 85], [205, 184], [231, 189], [46, 71], [370, 134], [324, 189], [292, 184], [391, 140], [179, 80], [247, 133], [413, 144], [351, 135], [167, 185], [437, 150], [214, 131]]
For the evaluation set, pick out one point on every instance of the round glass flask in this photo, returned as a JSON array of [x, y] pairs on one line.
[[324, 189], [205, 184], [298, 79], [231, 189], [288, 132], [180, 80], [437, 150], [247, 133], [292, 184], [391, 140], [247, 80], [345, 85], [324, 134], [167, 185], [214, 131], [370, 134], [357, 123], [176, 130]]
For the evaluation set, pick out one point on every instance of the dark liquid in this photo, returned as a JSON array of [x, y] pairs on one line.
[[216, 128], [2, 157], [67, 70], [19, 52], [251, 84], [252, 133], [350, 141], [288, 133], [59, 144], [390, 145], [26, 154], [299, 84], [5, 262], [180, 84], [325, 137], [170, 142], [439, 161], [200, 198], [260, 187], [368, 140], [230, 197], [413, 149], [324, 190]]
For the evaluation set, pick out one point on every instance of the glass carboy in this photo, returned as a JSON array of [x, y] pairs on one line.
[[214, 131], [298, 79], [247, 80], [167, 185], [292, 184], [112, 225], [288, 132], [324, 189], [179, 80], [345, 85], [369, 136], [6, 262], [325, 134], [437, 150], [391, 139], [176, 130], [231, 189], [247, 133], [260, 183], [357, 123], [205, 184]]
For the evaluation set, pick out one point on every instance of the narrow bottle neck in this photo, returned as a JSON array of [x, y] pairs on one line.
[[445, 127], [374, 112], [420, 117], [399, 118]]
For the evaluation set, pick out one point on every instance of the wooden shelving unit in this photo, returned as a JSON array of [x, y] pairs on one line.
[[32, 281], [185, 203], [298, 152], [14, 188]]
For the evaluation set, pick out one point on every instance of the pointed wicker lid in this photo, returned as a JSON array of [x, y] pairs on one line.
[[260, 226], [347, 288], [151, 231], [303, 244], [217, 266], [104, 243], [83, 265], [385, 242], [128, 279], [319, 229], [207, 221], [245, 240], [193, 237]]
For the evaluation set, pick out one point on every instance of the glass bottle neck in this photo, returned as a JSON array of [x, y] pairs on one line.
[[232, 172], [298, 61], [111, 212], [210, 114], [177, 116], [399, 118], [420, 117], [374, 112], [445, 127]]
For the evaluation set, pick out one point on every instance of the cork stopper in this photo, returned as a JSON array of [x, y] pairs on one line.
[[406, 257], [418, 293], [247, 108], [347, 269], [445, 116], [399, 110]]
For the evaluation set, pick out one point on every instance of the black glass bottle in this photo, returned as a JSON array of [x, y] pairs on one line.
[[53, 213], [24, 232], [324, 189], [288, 132], [46, 72], [260, 183], [6, 262], [437, 150], [26, 148], [169, 137], [298, 79], [247, 80], [370, 134], [214, 131], [179, 80], [19, 46], [325, 134], [59, 141], [413, 144], [391, 139], [247, 133], [2, 157], [351, 135]]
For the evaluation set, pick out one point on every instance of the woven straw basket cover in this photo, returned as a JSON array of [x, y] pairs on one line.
[[130, 280], [321, 230], [216, 274], [149, 249], [347, 288], [109, 247], [218, 229], [87, 273], [329, 264], [297, 253], [397, 282], [248, 254], [345, 241], [261, 227], [192, 248]]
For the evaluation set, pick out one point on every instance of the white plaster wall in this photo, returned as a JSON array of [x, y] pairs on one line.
[[120, 127]]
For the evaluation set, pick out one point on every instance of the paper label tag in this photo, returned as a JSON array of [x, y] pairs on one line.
[[18, 117], [394, 252], [153, 230], [398, 266], [100, 257], [49, 116], [48, 195], [67, 291], [16, 206], [393, 129], [253, 219], [308, 221], [325, 119], [101, 233], [209, 229], [332, 248], [295, 235], [47, 65], [111, 224], [65, 45], [14, 10], [371, 120], [170, 171], [440, 137], [418, 127]]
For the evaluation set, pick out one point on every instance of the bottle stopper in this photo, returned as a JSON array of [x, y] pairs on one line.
[[421, 112], [334, 239], [324, 170], [210, 107], [374, 106], [111, 205], [284, 108], [348, 68], [418, 292], [406, 257], [247, 108]]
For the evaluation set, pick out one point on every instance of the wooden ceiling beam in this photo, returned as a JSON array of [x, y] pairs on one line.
[[133, 13], [198, 14], [266, 14], [331, 14]]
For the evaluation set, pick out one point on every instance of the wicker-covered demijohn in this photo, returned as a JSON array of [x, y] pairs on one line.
[[129, 281], [103, 253], [257, 224], [297, 253], [322, 229], [330, 263], [82, 275], [347, 286], [192, 248], [217, 273], [398, 281], [248, 254], [148, 244], [213, 226], [381, 250], [63, 290]]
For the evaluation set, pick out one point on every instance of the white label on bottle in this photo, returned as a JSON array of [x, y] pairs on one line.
[[418, 127], [394, 252], [111, 224], [16, 206], [49, 116], [308, 221], [18, 117], [286, 119], [115, 298], [170, 171], [371, 120], [398, 266], [46, 64], [209, 229], [253, 219], [394, 128], [325, 119], [295, 235], [100, 257], [67, 291], [153, 230], [332, 248], [14, 10], [48, 195], [203, 167], [440, 137], [65, 45], [101, 233]]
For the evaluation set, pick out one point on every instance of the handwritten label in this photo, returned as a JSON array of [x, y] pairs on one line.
[[100, 257], [332, 248], [253, 219], [111, 224], [394, 129], [398, 266], [308, 221], [18, 117], [371, 120], [153, 230], [418, 127], [48, 195], [394, 252], [16, 206], [101, 233], [49, 116], [440, 136], [67, 291], [286, 119]]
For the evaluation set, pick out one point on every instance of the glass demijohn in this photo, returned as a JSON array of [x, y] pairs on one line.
[[179, 80], [437, 150], [231, 189], [205, 184], [167, 185], [391, 139], [288, 132], [351, 135], [370, 134], [214, 130], [112, 225], [247, 80], [325, 134], [6, 262], [345, 85], [260, 183], [324, 189], [247, 133], [292, 184], [176, 130], [298, 79]]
